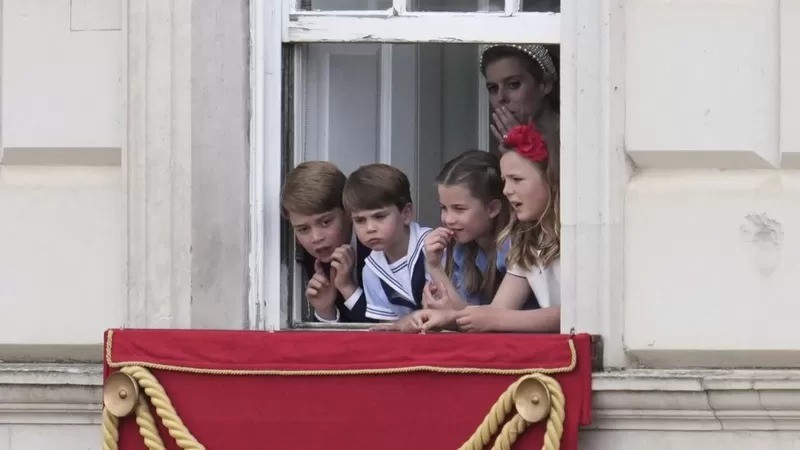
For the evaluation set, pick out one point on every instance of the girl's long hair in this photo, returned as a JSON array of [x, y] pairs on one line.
[[479, 173], [537, 243]]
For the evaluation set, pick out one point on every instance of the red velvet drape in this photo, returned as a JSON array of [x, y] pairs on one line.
[[413, 409]]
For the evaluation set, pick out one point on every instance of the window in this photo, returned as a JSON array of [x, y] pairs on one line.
[[594, 169], [396, 82]]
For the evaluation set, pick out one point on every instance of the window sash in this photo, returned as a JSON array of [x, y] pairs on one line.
[[397, 25], [399, 7], [544, 28]]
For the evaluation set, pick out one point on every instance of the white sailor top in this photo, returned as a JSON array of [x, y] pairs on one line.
[[395, 290]]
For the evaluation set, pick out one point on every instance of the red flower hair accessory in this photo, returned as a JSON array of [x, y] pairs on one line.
[[528, 142]]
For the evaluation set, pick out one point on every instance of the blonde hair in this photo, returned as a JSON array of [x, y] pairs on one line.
[[313, 187], [479, 173], [539, 243], [376, 186]]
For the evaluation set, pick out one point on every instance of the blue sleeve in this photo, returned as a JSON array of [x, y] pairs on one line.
[[502, 253]]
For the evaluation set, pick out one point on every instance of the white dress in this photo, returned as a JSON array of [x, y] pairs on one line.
[[546, 284]]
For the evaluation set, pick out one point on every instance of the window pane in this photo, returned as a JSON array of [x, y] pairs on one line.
[[540, 5], [456, 5], [343, 5], [428, 115]]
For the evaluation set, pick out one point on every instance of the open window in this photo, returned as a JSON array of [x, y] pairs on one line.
[[397, 82]]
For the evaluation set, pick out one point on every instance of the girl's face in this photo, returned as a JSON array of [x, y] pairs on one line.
[[469, 217], [525, 186], [513, 87]]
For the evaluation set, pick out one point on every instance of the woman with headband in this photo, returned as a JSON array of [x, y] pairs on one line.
[[522, 81]]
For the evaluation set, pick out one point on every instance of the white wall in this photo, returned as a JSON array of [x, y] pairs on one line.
[[711, 251], [61, 183]]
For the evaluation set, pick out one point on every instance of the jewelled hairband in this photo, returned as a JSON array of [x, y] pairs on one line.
[[536, 51]]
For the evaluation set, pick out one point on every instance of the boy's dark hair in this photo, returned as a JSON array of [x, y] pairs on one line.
[[311, 188], [376, 186]]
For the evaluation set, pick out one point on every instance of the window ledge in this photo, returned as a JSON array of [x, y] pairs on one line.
[[65, 394], [697, 400], [644, 399]]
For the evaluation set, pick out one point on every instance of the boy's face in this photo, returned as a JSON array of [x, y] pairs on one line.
[[382, 229], [321, 234]]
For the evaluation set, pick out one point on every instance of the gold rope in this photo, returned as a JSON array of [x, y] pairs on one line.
[[147, 424], [110, 433], [514, 427]]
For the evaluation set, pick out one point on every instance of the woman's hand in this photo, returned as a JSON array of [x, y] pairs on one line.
[[435, 244], [481, 319], [502, 122]]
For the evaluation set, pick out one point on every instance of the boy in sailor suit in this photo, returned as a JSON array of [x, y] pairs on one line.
[[378, 197]]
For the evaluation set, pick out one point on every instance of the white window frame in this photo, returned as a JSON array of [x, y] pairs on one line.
[[594, 166]]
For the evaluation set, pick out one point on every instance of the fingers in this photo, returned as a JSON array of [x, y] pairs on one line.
[[316, 284], [465, 324], [437, 240], [391, 326], [417, 319], [427, 296], [404, 325], [436, 320], [334, 272], [344, 255], [342, 261], [440, 235], [504, 121], [311, 292], [496, 133], [499, 125], [431, 296], [435, 290], [426, 300], [508, 119], [427, 290], [318, 267]]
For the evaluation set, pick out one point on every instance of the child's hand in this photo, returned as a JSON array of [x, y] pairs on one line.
[[342, 262], [321, 293], [436, 320], [481, 319], [411, 323], [435, 244], [436, 296]]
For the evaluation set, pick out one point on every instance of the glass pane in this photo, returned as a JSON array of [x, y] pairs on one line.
[[456, 5], [432, 106], [540, 5], [343, 5]]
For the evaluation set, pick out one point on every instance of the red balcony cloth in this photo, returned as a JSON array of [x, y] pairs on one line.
[[412, 409]]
